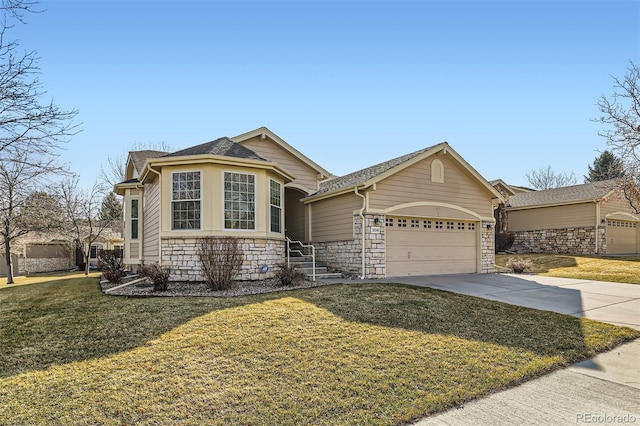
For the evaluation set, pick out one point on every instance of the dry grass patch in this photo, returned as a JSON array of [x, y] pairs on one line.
[[344, 354], [622, 269]]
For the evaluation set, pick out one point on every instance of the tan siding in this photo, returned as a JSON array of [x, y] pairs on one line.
[[569, 216], [151, 222], [332, 219], [615, 204], [414, 184], [135, 248], [304, 175]]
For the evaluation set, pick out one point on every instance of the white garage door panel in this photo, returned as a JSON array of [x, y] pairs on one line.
[[424, 248], [621, 237]]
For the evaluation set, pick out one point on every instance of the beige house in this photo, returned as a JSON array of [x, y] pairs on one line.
[[427, 212], [592, 218]]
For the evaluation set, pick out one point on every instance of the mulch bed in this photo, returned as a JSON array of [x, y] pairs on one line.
[[199, 289]]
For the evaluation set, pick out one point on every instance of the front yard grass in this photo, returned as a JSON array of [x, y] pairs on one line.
[[622, 269], [343, 354]]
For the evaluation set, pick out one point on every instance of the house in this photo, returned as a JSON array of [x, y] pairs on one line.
[[426, 212], [592, 218]]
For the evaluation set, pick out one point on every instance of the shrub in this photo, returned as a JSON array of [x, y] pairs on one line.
[[221, 260], [519, 265], [288, 275], [504, 241], [157, 274], [111, 266]]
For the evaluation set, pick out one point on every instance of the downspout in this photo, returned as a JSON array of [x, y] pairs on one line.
[[361, 213], [597, 224], [159, 215]]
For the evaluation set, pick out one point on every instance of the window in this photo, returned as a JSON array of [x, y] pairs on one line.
[[427, 224], [95, 249], [275, 204], [438, 224], [460, 225], [239, 201], [135, 219], [388, 221], [472, 226], [402, 223], [185, 201], [415, 223]]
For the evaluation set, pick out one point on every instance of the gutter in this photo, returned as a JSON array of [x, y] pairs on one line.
[[361, 214]]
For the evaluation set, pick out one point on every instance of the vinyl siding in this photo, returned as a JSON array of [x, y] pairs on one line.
[[413, 184], [151, 222], [332, 218], [557, 217], [304, 175], [615, 204]]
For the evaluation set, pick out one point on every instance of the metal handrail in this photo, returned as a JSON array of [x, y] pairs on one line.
[[302, 246]]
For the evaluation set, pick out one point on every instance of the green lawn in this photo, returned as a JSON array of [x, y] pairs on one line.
[[622, 269], [343, 354]]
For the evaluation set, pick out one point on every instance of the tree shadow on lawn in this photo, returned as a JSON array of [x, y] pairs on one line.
[[71, 320]]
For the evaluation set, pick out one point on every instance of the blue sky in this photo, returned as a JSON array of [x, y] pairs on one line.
[[511, 85]]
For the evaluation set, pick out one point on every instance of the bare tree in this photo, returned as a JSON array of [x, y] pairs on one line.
[[27, 124], [114, 170], [82, 209], [546, 178], [620, 113], [22, 209]]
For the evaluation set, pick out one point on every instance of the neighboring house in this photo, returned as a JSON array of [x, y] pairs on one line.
[[109, 239], [426, 212], [506, 191], [592, 218]]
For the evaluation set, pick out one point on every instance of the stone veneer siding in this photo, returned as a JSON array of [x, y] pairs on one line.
[[52, 264], [346, 256], [560, 241], [488, 250], [181, 255]]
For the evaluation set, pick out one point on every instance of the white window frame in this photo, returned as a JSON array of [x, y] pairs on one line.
[[98, 246], [279, 207], [174, 202], [132, 219], [224, 200]]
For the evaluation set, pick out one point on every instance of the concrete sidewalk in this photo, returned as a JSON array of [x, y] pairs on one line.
[[602, 390]]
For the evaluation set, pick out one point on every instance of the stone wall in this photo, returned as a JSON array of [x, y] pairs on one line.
[[52, 264], [346, 255], [560, 241], [181, 255], [488, 250]]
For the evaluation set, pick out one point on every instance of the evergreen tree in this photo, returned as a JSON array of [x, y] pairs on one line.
[[111, 209], [606, 166]]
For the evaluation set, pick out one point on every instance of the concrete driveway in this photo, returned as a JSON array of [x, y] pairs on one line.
[[602, 390]]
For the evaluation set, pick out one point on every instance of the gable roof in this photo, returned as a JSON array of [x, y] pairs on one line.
[[140, 158], [223, 146], [264, 131], [566, 195], [371, 175]]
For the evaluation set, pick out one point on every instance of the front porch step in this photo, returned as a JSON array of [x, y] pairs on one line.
[[327, 276]]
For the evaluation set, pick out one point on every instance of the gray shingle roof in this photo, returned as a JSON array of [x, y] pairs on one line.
[[140, 158], [224, 147], [361, 176], [567, 194]]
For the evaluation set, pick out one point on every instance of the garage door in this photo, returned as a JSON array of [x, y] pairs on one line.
[[423, 246], [621, 237]]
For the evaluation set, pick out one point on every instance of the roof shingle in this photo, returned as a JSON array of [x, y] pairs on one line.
[[567, 194], [223, 146]]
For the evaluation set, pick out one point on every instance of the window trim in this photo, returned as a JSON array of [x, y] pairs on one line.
[[199, 200], [280, 207], [255, 201], [98, 246], [137, 219]]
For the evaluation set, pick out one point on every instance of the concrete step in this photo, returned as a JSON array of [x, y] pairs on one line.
[[327, 276], [319, 270], [306, 265], [300, 259]]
